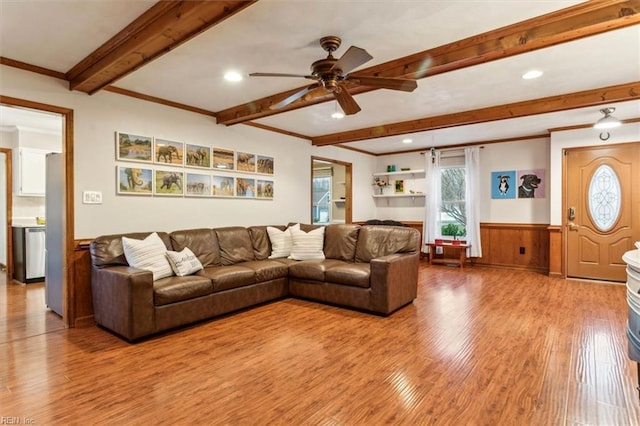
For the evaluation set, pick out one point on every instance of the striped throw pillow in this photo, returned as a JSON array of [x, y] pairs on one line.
[[149, 254], [307, 245]]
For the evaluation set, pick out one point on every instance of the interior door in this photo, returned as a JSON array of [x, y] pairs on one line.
[[603, 209]]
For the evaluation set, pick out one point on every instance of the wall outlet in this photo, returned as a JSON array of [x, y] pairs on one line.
[[521, 250], [91, 197]]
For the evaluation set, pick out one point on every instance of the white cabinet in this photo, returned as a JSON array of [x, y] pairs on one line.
[[404, 183], [29, 174]]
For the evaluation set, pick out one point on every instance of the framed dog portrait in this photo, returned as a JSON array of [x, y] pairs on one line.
[[531, 183], [503, 185]]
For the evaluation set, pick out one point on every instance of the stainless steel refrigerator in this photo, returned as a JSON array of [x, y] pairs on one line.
[[54, 245]]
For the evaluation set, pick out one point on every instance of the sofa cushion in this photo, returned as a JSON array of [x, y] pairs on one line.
[[175, 289], [267, 270], [312, 269], [379, 240], [107, 249], [354, 274], [307, 245], [281, 242], [228, 277], [149, 254], [261, 242], [183, 262], [202, 242], [340, 242], [235, 245]]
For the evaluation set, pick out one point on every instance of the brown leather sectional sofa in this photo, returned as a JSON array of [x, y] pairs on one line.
[[370, 268]]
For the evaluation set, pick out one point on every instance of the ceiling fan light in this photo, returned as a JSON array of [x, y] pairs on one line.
[[233, 76], [529, 75], [608, 121]]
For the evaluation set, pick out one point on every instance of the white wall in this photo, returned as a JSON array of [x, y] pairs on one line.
[[98, 117], [579, 138], [517, 155]]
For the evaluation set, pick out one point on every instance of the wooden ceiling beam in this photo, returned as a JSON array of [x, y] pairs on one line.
[[572, 23], [587, 98], [162, 28]]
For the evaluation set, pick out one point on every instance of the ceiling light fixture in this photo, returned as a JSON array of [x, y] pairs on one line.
[[233, 76], [337, 114], [608, 121], [407, 140], [529, 75]]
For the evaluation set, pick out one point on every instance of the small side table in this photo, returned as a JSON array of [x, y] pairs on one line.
[[460, 251]]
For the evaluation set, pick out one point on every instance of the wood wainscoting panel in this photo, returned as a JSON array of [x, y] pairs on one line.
[[83, 302], [555, 251], [515, 245]]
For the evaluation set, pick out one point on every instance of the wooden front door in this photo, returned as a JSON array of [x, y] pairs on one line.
[[602, 216]]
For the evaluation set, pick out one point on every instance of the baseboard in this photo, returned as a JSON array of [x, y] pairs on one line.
[[87, 321]]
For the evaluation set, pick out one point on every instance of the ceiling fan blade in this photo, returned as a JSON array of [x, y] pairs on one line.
[[275, 74], [352, 59], [346, 101], [404, 84], [300, 93]]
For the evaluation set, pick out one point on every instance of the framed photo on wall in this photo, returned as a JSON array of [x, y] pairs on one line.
[[245, 188], [134, 181], [168, 182], [265, 165], [169, 153], [223, 159], [264, 189], [245, 162], [198, 185], [503, 185], [531, 183], [222, 186], [130, 147], [197, 156]]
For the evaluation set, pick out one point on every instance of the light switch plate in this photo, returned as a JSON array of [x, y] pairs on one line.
[[91, 197]]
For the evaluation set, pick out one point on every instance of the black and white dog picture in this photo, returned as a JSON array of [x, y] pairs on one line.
[[503, 185]]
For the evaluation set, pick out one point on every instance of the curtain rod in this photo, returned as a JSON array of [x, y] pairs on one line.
[[448, 149]]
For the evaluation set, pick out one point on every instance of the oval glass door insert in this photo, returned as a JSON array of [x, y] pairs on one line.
[[604, 198]]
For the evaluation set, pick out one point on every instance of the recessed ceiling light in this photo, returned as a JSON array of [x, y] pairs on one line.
[[337, 115], [407, 140], [233, 76], [529, 75]]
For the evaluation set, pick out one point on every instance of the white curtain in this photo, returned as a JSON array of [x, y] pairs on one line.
[[472, 197], [432, 193]]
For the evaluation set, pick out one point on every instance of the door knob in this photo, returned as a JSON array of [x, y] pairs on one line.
[[572, 226]]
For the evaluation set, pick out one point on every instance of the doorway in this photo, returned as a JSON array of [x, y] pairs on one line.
[[5, 211], [602, 193], [330, 191], [66, 246]]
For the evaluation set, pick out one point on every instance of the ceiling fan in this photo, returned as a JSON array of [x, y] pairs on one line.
[[331, 75]]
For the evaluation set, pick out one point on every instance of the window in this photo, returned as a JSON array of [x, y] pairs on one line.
[[321, 198], [453, 212]]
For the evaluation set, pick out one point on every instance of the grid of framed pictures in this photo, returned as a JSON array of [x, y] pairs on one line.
[[177, 169]]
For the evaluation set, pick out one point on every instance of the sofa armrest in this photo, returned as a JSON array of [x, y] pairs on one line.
[[123, 300], [394, 281]]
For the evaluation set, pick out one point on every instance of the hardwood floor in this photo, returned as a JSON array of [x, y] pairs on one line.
[[478, 346]]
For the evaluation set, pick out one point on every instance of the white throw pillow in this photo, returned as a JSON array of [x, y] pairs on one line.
[[184, 262], [307, 245], [280, 242], [148, 254]]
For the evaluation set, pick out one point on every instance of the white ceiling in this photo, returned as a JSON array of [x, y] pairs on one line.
[[282, 36]]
